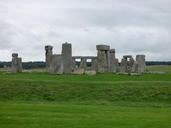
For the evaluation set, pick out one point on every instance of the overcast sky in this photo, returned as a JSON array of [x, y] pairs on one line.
[[129, 26]]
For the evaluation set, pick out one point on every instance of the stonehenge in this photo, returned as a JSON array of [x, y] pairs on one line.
[[16, 63], [103, 58], [59, 63], [105, 61]]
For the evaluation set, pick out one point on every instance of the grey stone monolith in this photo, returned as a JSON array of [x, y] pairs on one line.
[[140, 59], [56, 66], [94, 64], [113, 65], [103, 58], [48, 55], [123, 65], [127, 64], [83, 63], [116, 65], [67, 57], [20, 68], [16, 64]]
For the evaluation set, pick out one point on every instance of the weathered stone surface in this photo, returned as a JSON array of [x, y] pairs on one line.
[[105, 61], [67, 57], [94, 64], [16, 64], [74, 66], [116, 65], [83, 63], [140, 63], [56, 66], [127, 64], [20, 68], [48, 55], [113, 66], [103, 58], [134, 74], [59, 64], [78, 71], [91, 72], [103, 47], [123, 65]]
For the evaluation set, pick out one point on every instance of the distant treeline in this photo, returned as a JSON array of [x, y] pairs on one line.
[[26, 65], [158, 63], [41, 64]]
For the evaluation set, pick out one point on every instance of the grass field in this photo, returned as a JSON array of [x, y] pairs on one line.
[[25, 115], [33, 100], [162, 68]]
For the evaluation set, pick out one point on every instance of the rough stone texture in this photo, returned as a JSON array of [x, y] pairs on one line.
[[94, 64], [73, 64], [130, 64], [91, 72], [123, 65], [54, 63], [134, 67], [67, 57], [103, 47], [48, 55], [83, 63], [78, 71], [116, 65], [127, 64], [113, 66], [103, 58], [20, 68], [16, 64], [140, 59], [56, 66], [105, 61]]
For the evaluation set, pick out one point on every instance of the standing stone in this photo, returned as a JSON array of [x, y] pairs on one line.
[[103, 58], [16, 64], [140, 59], [20, 68], [56, 66], [130, 64], [116, 65], [48, 55], [74, 66], [67, 57], [127, 64], [123, 65], [112, 61], [94, 64], [83, 63]]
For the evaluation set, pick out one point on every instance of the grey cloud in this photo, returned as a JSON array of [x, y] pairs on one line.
[[130, 26]]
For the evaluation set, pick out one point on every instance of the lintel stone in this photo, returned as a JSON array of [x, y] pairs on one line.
[[103, 47]]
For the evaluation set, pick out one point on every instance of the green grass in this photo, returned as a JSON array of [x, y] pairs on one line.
[[162, 68], [34, 100], [24, 115], [102, 88]]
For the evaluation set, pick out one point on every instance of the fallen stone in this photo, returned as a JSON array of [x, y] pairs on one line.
[[92, 72], [78, 71]]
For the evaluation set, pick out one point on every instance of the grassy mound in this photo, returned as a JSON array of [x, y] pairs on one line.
[[102, 88]]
